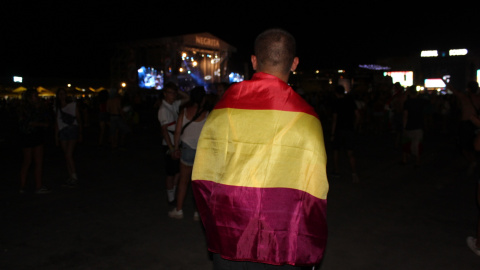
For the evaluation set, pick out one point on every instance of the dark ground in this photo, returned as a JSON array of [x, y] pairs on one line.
[[397, 217]]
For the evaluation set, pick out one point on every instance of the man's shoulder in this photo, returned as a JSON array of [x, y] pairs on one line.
[[163, 109]]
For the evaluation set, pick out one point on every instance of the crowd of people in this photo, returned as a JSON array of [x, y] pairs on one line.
[[32, 122], [408, 114]]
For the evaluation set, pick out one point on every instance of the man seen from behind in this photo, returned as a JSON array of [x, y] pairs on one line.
[[259, 176]]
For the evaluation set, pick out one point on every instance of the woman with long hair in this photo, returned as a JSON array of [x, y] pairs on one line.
[[68, 130], [189, 125]]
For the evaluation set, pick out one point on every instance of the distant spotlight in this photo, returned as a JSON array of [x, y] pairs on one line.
[[374, 67]]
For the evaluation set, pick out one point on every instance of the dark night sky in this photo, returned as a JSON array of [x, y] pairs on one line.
[[71, 39]]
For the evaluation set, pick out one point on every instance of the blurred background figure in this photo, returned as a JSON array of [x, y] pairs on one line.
[[68, 131], [220, 89], [413, 125], [33, 121], [118, 126], [103, 117], [345, 116]]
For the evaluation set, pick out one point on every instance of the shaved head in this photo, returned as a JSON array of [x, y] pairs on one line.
[[275, 50]]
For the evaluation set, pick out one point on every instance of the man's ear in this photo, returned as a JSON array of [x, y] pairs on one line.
[[253, 58], [295, 64]]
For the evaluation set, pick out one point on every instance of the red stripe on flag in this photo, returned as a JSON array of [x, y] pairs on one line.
[[255, 94], [273, 225]]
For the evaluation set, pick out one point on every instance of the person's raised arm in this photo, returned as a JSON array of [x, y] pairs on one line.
[[184, 97]]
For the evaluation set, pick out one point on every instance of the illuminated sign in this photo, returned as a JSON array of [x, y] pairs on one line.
[[434, 83], [451, 52], [17, 79], [405, 78], [205, 41], [457, 52], [429, 53]]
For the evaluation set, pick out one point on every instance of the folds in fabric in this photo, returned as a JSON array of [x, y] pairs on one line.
[[260, 178], [254, 154]]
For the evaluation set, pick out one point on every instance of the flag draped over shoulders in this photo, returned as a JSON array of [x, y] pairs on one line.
[[259, 175]]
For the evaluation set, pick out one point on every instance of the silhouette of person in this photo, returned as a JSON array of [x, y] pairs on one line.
[[118, 127], [68, 131], [103, 117], [259, 176], [220, 89], [33, 121], [396, 105], [469, 101], [344, 119], [473, 241], [413, 125]]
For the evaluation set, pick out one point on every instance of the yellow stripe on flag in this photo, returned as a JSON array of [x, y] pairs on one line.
[[263, 149]]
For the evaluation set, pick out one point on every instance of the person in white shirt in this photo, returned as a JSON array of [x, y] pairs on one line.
[[167, 116]]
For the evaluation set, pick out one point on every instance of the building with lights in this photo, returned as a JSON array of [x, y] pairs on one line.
[[189, 60], [426, 70], [430, 68]]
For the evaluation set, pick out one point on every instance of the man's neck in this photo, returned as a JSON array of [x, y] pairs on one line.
[[281, 76]]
